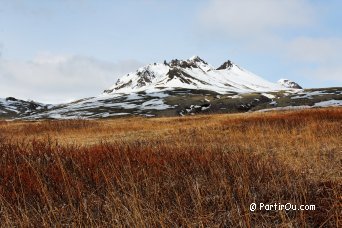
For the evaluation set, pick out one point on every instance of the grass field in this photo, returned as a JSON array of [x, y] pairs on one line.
[[164, 172]]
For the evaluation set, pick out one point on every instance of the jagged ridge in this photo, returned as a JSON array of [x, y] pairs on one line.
[[193, 73]]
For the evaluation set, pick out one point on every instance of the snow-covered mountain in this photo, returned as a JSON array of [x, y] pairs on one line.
[[289, 84], [180, 87], [193, 73], [11, 106]]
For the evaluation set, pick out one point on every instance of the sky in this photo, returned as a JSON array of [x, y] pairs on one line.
[[60, 50]]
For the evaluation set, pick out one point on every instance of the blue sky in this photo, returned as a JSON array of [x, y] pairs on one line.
[[59, 50]]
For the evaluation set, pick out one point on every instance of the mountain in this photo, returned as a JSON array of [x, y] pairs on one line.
[[193, 73], [289, 84], [177, 88], [12, 107]]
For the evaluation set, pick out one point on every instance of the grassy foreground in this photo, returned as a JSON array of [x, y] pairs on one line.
[[192, 171]]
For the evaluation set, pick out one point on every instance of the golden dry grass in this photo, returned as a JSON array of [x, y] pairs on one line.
[[193, 171]]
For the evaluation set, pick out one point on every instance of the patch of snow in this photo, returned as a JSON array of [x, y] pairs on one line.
[[106, 114], [156, 104], [309, 95], [270, 96], [235, 97], [158, 94], [133, 96], [148, 115], [329, 103], [56, 116], [286, 108], [205, 108], [119, 114]]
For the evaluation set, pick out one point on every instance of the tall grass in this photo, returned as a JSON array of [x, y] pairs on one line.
[[196, 171]]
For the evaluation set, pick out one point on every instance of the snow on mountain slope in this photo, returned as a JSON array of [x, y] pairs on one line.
[[12, 106], [289, 84], [173, 102], [193, 73], [8, 106], [181, 88]]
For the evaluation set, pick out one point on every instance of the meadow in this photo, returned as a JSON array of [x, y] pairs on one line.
[[195, 171]]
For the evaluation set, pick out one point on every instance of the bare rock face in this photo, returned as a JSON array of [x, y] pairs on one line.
[[289, 84], [225, 65]]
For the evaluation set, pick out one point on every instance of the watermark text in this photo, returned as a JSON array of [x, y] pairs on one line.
[[280, 207]]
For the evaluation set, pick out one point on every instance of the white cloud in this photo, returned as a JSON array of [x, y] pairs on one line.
[[250, 18], [326, 73], [57, 78], [321, 57], [316, 50], [279, 28], [1, 49]]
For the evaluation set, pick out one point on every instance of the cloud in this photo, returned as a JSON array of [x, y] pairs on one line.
[[292, 31], [57, 78], [324, 50], [251, 18], [1, 49], [326, 73], [320, 57], [258, 26]]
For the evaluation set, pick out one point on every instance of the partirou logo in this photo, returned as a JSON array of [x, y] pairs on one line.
[[279, 207]]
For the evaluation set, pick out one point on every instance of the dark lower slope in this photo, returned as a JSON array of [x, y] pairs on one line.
[[174, 103]]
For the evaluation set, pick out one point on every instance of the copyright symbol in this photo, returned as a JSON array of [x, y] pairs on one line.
[[252, 207]]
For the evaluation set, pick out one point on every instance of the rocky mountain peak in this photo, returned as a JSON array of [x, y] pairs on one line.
[[193, 62], [197, 59], [289, 84], [226, 65], [193, 73]]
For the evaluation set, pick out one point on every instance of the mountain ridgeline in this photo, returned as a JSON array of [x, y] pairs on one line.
[[193, 73]]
